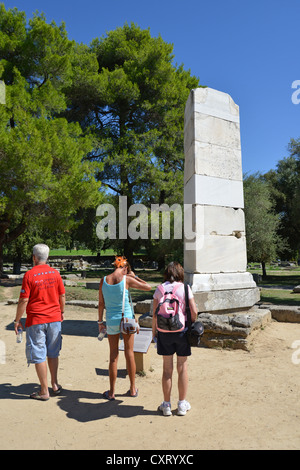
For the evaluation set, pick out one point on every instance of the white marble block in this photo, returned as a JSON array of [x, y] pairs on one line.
[[215, 256]]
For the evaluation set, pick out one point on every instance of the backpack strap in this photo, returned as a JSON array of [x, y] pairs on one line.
[[161, 289], [175, 288], [187, 308], [123, 301]]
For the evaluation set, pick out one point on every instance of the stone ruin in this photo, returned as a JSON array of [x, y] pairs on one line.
[[215, 257], [215, 260]]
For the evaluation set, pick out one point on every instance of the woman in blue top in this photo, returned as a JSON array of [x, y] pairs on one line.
[[111, 298]]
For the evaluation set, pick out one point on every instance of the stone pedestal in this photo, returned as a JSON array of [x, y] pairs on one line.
[[215, 260]]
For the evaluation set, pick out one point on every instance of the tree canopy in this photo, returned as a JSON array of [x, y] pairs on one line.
[[79, 116], [262, 223], [129, 94], [43, 174]]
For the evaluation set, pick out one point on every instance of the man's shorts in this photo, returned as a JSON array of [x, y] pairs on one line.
[[42, 341], [171, 343]]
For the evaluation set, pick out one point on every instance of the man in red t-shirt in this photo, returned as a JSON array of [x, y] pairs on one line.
[[43, 297]]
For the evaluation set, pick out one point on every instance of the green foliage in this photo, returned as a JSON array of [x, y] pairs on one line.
[[285, 187], [135, 109], [262, 223], [44, 178], [77, 116]]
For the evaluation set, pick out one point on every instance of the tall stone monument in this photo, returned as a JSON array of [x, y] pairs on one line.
[[215, 261], [2, 92]]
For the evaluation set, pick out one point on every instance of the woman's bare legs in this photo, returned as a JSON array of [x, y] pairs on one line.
[[182, 377], [130, 361], [167, 377], [113, 362]]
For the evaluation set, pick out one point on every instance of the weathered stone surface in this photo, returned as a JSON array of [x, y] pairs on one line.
[[144, 307], [217, 254], [215, 191], [213, 194], [92, 285], [83, 303], [284, 313], [220, 281], [222, 300], [211, 160], [145, 320], [233, 331]]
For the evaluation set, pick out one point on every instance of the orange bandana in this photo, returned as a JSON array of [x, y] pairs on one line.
[[120, 261]]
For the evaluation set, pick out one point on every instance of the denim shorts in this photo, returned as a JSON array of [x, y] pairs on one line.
[[171, 343], [42, 341]]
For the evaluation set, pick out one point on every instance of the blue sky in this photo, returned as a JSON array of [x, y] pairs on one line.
[[249, 49]]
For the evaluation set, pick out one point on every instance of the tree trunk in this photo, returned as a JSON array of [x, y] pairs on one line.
[[1, 258], [264, 272], [9, 237]]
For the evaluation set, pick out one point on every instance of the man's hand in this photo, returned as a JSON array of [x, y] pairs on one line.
[[17, 325]]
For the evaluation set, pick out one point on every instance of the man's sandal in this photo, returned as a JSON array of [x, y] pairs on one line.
[[107, 397], [38, 396]]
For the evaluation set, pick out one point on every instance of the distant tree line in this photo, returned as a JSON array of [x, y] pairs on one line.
[[272, 210], [83, 125]]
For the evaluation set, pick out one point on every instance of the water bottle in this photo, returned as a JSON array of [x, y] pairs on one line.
[[20, 335], [155, 342], [102, 334]]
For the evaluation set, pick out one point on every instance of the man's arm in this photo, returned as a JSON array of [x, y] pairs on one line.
[[22, 304], [62, 300]]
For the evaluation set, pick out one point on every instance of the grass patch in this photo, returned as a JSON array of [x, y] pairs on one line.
[[285, 278], [280, 297], [83, 252]]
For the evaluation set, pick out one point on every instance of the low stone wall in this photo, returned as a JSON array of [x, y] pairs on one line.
[[234, 331], [283, 313]]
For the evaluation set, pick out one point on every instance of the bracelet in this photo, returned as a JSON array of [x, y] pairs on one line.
[[15, 321], [99, 322]]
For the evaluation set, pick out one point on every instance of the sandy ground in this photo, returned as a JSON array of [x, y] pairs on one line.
[[240, 400]]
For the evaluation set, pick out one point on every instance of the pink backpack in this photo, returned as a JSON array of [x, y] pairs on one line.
[[170, 317]]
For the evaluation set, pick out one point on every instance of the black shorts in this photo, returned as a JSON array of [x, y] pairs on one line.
[[170, 343]]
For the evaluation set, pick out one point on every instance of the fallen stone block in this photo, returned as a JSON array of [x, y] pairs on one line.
[[234, 331], [92, 285], [283, 313], [144, 307], [83, 303]]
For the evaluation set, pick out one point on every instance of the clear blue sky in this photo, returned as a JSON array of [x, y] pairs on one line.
[[249, 49]]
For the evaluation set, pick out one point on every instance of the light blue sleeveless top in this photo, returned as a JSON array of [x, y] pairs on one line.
[[113, 298]]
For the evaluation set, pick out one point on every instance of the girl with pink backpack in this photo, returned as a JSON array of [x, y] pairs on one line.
[[169, 327]]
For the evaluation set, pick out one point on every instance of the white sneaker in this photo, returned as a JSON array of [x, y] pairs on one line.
[[183, 407], [165, 407]]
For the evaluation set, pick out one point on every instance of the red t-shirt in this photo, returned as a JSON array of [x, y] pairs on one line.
[[42, 285]]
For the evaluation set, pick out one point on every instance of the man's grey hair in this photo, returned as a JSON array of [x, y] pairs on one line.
[[41, 252]]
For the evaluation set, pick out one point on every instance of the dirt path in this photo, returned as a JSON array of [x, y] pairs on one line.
[[240, 400]]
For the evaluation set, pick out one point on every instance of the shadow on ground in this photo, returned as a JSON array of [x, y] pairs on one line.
[[80, 405]]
